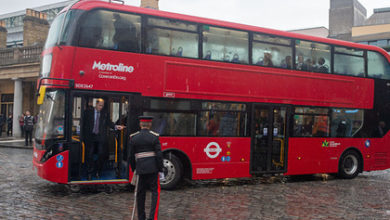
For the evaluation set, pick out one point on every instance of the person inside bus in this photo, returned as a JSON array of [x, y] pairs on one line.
[[287, 62], [95, 126], [226, 58], [208, 55], [341, 125], [300, 62], [307, 128], [320, 128], [173, 52], [125, 37], [236, 58], [267, 60], [379, 130], [322, 68], [179, 52], [314, 65], [213, 125], [307, 66]]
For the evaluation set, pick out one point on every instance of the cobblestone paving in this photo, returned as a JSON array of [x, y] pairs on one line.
[[23, 195]]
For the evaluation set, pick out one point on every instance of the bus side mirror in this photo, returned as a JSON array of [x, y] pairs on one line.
[[41, 95]]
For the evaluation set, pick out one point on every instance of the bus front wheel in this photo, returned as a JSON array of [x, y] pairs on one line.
[[349, 165], [173, 171]]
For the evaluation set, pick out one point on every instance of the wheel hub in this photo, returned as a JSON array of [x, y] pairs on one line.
[[169, 171]]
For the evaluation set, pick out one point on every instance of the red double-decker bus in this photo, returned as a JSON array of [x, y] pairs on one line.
[[229, 100]]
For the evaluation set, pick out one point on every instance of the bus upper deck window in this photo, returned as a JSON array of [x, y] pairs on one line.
[[378, 66], [111, 30], [125, 37]]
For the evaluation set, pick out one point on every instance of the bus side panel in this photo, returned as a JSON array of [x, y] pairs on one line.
[[62, 61], [269, 85], [213, 158], [322, 155], [55, 169], [306, 156], [378, 153]]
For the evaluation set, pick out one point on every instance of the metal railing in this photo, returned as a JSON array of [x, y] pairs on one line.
[[20, 55]]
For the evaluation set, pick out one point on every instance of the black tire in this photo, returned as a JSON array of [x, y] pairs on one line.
[[173, 171], [349, 165]]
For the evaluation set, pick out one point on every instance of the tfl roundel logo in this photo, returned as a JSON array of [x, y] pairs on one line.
[[212, 150]]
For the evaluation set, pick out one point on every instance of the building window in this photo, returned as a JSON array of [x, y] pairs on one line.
[[7, 98]]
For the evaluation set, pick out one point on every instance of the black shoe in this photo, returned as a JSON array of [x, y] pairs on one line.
[[97, 176]]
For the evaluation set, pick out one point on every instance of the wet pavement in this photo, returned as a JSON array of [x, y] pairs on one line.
[[23, 195]]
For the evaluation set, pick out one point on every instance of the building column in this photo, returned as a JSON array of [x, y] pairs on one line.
[[18, 105]]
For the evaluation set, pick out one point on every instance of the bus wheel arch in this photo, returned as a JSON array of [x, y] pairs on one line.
[[350, 163], [176, 166]]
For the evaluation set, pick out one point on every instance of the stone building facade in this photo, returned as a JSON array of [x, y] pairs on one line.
[[35, 28], [348, 21]]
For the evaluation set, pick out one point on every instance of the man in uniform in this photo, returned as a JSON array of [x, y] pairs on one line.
[[147, 160]]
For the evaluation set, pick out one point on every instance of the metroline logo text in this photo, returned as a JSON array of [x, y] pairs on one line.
[[111, 67]]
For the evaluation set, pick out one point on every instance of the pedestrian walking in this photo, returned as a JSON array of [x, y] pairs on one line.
[[9, 125], [147, 161], [28, 128], [2, 122], [21, 124]]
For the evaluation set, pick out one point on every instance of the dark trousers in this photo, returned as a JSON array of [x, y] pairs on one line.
[[1, 129], [151, 182], [22, 129], [94, 146], [9, 131], [27, 136]]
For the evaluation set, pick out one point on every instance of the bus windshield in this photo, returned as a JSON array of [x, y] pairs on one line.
[[51, 118], [55, 28], [54, 31]]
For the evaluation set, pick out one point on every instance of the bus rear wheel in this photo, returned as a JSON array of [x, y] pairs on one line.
[[173, 171], [349, 165]]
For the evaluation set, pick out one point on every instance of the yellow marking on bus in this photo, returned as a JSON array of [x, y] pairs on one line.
[[281, 163], [75, 138]]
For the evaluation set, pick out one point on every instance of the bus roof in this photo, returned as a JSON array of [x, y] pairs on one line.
[[92, 4]]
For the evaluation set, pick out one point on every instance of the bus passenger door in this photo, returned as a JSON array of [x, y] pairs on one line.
[[120, 110], [269, 139]]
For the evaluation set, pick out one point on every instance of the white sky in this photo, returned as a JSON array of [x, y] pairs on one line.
[[275, 14]]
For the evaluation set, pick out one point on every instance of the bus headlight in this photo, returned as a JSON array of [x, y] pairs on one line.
[[46, 65]]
